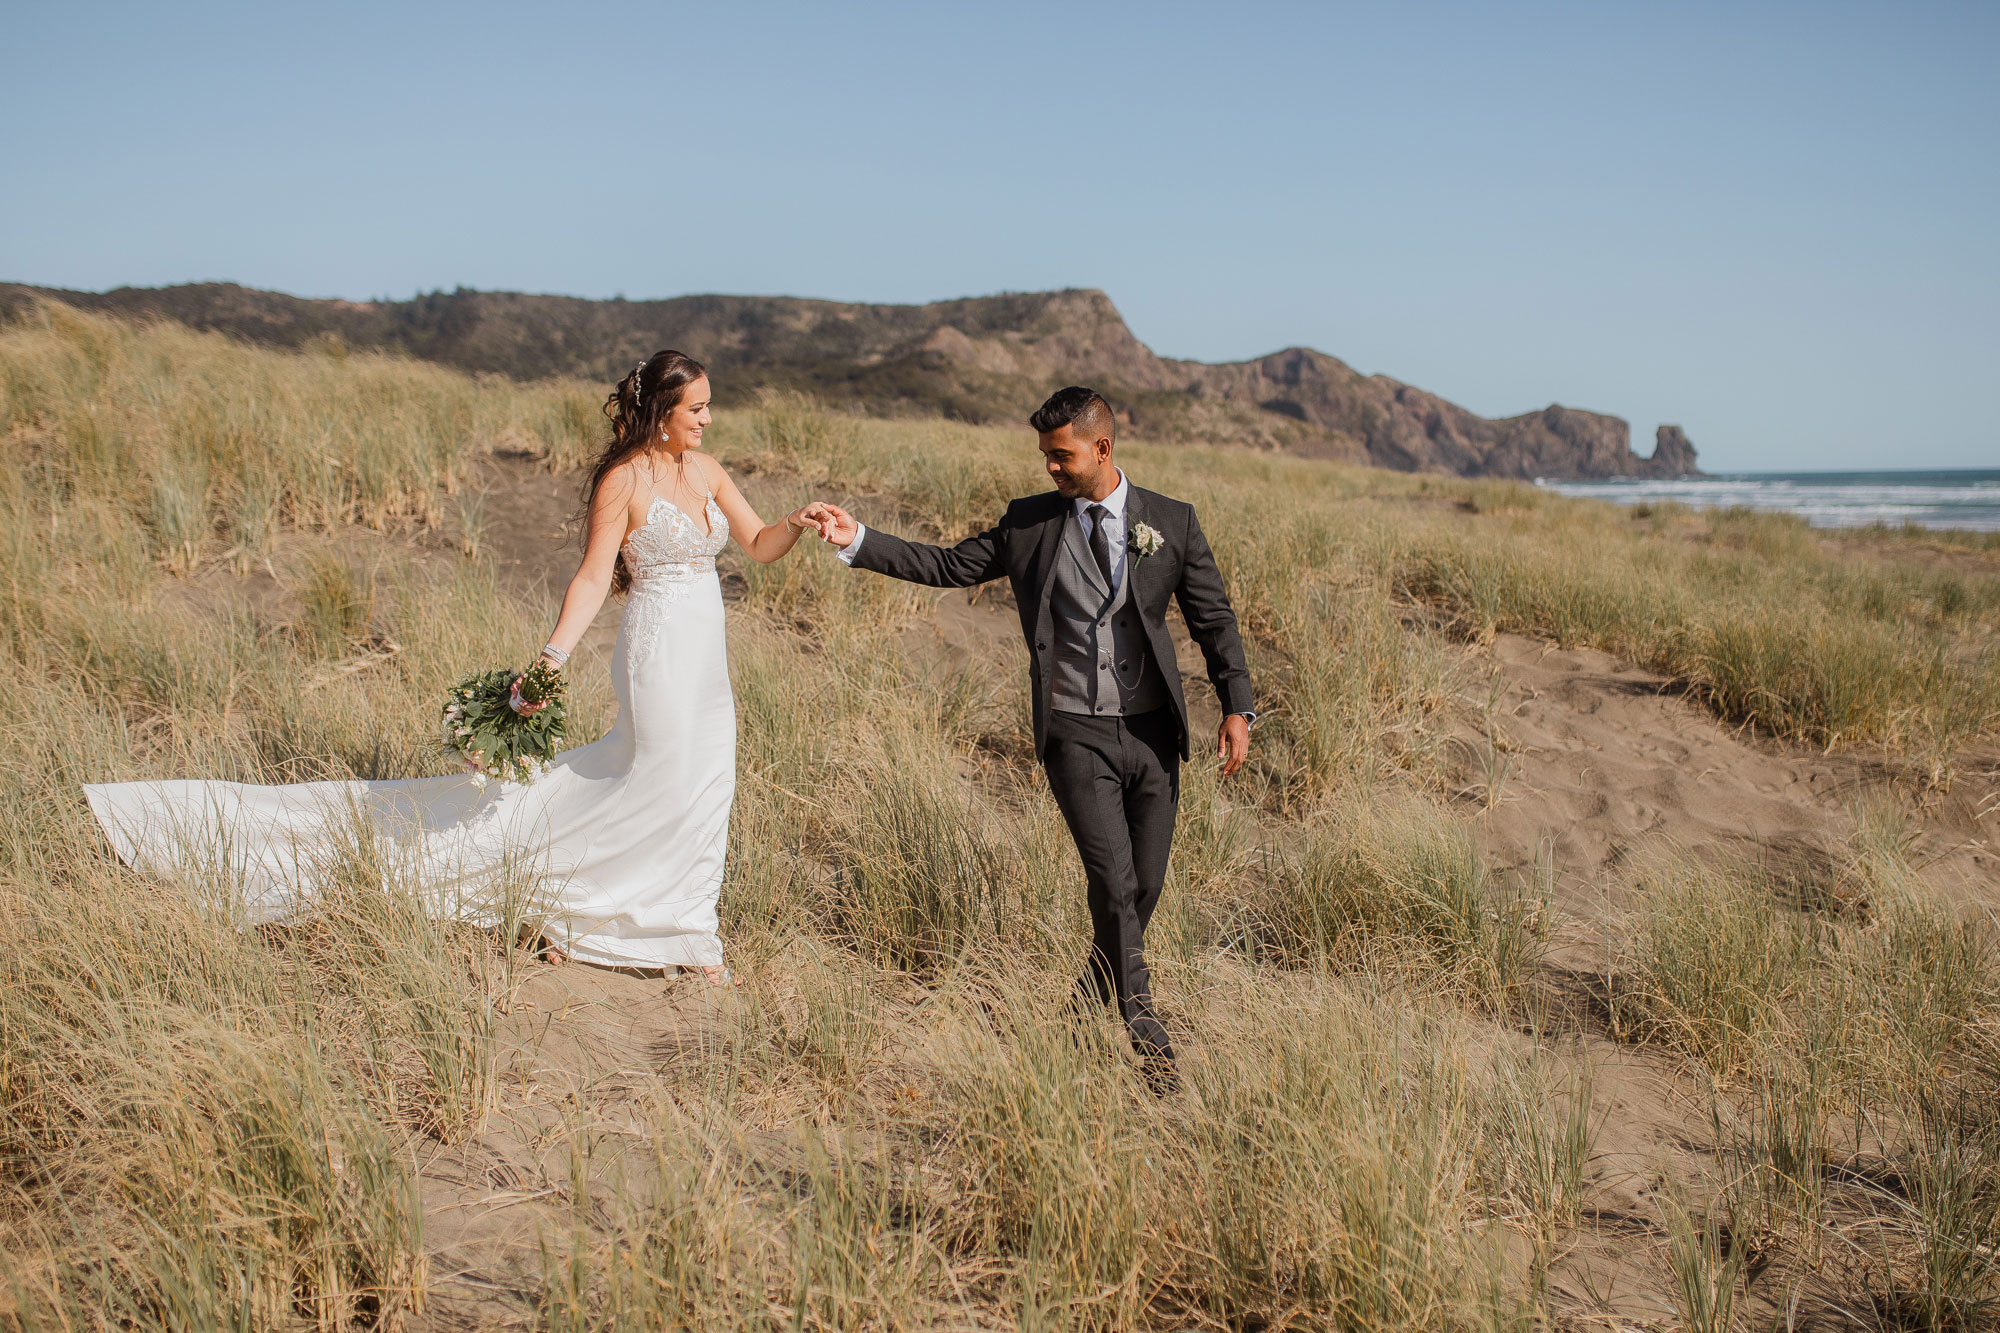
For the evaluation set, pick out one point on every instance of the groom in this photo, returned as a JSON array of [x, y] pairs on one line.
[[1093, 566]]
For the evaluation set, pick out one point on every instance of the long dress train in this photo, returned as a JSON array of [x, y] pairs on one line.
[[628, 834]]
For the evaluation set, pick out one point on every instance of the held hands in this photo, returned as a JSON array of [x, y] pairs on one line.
[[1232, 743], [836, 525], [819, 516]]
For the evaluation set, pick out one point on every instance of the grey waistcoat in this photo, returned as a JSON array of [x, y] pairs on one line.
[[1103, 665]]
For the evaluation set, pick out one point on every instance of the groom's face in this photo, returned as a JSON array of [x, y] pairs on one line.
[[1074, 464]]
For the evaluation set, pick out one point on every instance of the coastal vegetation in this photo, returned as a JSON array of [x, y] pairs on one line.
[[1422, 1079]]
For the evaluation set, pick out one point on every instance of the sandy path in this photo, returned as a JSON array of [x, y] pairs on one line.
[[1600, 758]]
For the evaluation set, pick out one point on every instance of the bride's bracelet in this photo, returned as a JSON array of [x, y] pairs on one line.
[[555, 654]]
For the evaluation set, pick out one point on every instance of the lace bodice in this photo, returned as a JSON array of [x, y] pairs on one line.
[[671, 545], [668, 556]]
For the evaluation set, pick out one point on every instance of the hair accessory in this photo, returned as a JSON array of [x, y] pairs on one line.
[[638, 378]]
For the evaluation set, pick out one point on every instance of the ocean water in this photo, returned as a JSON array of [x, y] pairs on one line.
[[1967, 498]]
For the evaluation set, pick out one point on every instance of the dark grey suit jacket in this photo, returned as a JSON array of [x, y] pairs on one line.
[[1023, 547]]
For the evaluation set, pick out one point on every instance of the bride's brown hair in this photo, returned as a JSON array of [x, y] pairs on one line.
[[638, 407]]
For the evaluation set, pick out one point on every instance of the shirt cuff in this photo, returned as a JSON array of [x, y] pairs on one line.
[[847, 552]]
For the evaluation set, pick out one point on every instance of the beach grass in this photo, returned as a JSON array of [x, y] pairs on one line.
[[900, 1122]]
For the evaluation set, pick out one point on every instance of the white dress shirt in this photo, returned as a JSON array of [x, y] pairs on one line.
[[1114, 528]]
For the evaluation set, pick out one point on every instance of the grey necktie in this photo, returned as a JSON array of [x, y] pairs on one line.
[[1100, 543]]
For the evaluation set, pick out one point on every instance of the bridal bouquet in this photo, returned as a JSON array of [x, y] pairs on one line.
[[480, 726]]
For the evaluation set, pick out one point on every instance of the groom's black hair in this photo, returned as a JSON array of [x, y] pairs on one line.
[[1083, 410]]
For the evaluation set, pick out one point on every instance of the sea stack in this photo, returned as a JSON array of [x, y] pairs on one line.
[[1672, 456]]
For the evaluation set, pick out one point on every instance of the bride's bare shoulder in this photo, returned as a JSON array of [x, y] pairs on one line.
[[620, 485], [711, 468]]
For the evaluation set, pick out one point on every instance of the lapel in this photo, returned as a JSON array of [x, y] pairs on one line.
[[1136, 568], [1046, 552], [1079, 549]]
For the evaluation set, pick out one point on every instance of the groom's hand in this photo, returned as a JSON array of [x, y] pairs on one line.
[[1232, 743], [837, 525]]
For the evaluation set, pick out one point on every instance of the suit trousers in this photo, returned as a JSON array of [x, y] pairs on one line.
[[1117, 782]]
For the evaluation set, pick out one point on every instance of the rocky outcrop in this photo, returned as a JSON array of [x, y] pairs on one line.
[[987, 358], [1378, 420], [1673, 455]]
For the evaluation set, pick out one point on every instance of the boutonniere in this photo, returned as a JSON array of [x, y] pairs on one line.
[[1144, 539]]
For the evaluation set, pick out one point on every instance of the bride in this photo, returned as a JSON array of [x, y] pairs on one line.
[[630, 831]]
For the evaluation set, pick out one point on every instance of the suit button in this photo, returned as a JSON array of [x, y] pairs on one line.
[[1100, 708], [1041, 647]]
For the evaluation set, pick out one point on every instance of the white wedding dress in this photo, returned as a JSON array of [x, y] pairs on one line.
[[627, 836]]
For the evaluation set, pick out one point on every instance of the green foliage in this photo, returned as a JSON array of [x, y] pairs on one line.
[[481, 728]]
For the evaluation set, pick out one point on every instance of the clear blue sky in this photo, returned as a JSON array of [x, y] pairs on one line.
[[1773, 224]]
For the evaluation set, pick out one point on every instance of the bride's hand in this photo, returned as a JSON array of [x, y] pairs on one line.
[[514, 700]]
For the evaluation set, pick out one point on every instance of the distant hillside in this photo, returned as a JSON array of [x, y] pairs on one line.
[[990, 358]]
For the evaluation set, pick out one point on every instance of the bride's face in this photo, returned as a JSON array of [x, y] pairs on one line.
[[684, 425]]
